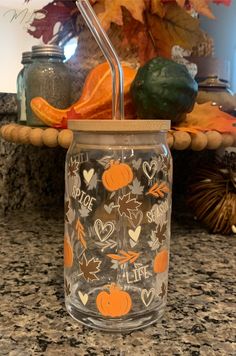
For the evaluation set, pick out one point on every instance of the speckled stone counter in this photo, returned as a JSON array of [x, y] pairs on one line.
[[200, 317]]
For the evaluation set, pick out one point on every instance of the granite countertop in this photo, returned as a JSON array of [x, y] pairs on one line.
[[200, 317]]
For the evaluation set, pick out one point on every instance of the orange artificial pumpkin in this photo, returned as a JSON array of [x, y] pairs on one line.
[[68, 253], [116, 303], [117, 176], [161, 261]]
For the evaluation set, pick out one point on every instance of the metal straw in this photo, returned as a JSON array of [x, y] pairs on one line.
[[111, 56]]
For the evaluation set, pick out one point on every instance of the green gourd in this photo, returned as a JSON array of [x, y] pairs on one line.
[[163, 89]]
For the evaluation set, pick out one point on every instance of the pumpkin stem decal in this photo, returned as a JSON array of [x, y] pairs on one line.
[[117, 176], [114, 303]]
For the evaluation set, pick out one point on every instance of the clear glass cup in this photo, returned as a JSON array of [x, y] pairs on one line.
[[117, 223]]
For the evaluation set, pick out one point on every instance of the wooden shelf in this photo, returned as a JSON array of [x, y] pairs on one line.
[[51, 137]]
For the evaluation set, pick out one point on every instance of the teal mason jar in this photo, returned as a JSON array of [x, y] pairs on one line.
[[49, 78], [21, 88]]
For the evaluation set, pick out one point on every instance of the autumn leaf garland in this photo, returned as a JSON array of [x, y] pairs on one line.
[[153, 27]]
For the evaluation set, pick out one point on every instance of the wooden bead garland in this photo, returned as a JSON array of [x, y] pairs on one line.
[[51, 137]]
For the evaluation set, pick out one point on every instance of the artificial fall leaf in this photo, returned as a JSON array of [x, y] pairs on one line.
[[127, 205], [81, 234], [123, 257], [201, 6], [181, 2], [113, 11], [158, 8], [158, 190], [89, 268], [176, 28], [224, 2], [56, 11], [206, 117], [138, 37]]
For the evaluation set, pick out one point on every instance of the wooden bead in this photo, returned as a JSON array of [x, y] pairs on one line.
[[3, 129], [170, 139], [234, 136], [15, 134], [7, 133], [50, 137], [36, 137], [182, 140], [65, 138], [214, 140], [199, 141], [227, 140], [23, 134]]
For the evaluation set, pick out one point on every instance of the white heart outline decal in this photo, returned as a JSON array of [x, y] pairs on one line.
[[99, 228], [152, 167], [148, 296]]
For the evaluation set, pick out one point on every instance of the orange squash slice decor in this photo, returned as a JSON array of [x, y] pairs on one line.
[[68, 253], [117, 176], [114, 304], [161, 261], [94, 103]]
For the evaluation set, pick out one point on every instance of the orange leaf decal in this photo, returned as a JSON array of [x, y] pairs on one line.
[[81, 234], [68, 252], [123, 257], [158, 190]]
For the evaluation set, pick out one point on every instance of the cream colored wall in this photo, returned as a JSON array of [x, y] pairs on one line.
[[223, 30], [14, 38]]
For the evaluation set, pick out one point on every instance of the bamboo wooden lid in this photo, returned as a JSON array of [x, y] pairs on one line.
[[119, 125]]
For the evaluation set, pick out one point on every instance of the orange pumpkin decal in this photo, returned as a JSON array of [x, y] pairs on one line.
[[116, 303], [161, 261], [68, 253], [117, 176]]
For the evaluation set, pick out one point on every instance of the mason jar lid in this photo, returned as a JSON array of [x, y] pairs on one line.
[[26, 57], [48, 51], [119, 125]]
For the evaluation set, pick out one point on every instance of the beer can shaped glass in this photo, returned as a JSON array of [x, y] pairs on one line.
[[117, 223]]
